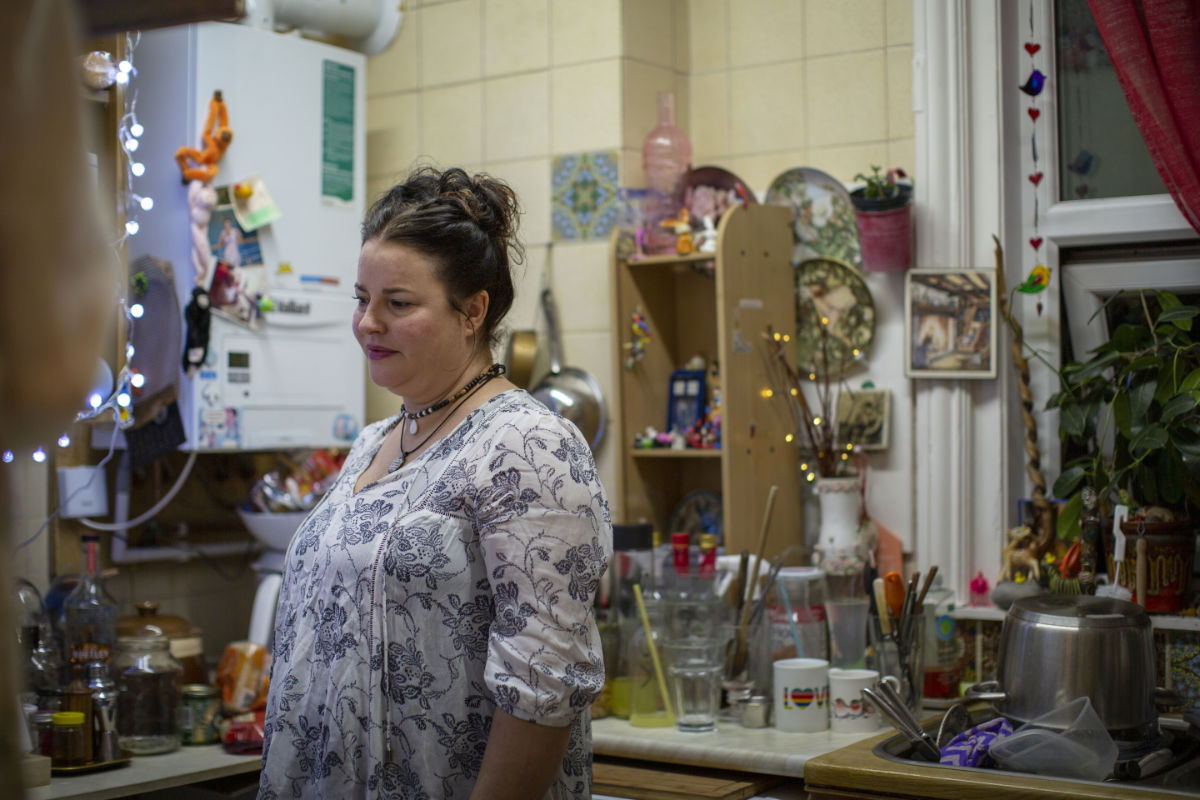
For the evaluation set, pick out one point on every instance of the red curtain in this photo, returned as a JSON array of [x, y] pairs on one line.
[[1155, 47]]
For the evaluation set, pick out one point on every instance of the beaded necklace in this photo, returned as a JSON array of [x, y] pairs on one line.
[[465, 393], [413, 416]]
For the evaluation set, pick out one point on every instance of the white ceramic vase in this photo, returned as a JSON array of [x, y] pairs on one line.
[[840, 500]]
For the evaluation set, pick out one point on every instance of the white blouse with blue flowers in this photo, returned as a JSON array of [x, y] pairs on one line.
[[461, 582]]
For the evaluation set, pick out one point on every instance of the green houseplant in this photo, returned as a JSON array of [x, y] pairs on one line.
[[883, 216], [1130, 414]]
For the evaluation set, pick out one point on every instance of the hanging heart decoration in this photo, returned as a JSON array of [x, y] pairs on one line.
[[1036, 241], [1034, 114], [1035, 178], [1032, 48]]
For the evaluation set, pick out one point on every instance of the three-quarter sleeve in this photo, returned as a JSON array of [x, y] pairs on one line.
[[546, 538]]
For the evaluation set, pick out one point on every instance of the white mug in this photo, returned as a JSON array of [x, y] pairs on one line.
[[801, 694], [849, 711]]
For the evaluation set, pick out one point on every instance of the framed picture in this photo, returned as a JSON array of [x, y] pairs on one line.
[[863, 418], [949, 323]]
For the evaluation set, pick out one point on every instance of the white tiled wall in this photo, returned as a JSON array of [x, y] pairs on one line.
[[507, 85]]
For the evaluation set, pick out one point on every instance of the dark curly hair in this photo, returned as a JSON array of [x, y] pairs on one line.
[[466, 224]]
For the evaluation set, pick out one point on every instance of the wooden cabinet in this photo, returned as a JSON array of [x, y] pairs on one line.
[[717, 305]]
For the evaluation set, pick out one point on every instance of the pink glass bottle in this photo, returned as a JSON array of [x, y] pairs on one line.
[[666, 159]]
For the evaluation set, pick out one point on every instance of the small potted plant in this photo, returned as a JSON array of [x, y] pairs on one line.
[[1131, 414], [883, 216]]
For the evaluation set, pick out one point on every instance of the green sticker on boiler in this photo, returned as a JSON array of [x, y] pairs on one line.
[[337, 131]]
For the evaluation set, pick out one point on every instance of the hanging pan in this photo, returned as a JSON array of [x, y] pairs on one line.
[[570, 391]]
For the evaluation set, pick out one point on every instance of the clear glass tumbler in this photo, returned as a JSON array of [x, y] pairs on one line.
[[695, 669]]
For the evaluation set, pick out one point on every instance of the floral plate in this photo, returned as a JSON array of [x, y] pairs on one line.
[[832, 290], [711, 191], [822, 216]]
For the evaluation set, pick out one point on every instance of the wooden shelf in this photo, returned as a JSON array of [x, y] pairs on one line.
[[666, 452], [694, 305]]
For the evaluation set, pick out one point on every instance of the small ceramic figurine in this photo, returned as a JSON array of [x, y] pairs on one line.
[[979, 589], [682, 228]]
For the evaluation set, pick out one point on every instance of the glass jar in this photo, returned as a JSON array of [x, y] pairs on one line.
[[149, 688], [69, 737], [199, 713], [43, 733], [643, 670]]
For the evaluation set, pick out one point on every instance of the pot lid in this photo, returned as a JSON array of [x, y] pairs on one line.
[[1079, 611], [148, 617]]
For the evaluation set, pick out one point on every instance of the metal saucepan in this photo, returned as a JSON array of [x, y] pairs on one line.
[[1054, 648], [570, 391]]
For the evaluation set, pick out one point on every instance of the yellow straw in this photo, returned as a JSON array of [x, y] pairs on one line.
[[658, 673]]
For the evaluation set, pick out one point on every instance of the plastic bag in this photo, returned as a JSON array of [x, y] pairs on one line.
[[1068, 742]]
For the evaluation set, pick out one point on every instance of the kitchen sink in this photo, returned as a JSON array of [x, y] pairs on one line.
[[1169, 766]]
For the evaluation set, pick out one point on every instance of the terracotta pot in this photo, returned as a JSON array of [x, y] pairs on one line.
[[1170, 548]]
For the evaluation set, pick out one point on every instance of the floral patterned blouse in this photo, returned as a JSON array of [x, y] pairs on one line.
[[460, 582]]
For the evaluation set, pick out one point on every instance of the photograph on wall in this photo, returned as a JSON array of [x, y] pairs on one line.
[[949, 328], [238, 274], [862, 418]]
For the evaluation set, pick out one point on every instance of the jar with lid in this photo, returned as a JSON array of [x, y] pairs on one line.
[[187, 642], [43, 733], [199, 714], [148, 693], [68, 737]]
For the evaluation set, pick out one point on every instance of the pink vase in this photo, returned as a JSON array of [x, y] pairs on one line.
[[666, 159]]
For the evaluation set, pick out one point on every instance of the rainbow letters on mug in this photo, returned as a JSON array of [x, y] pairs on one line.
[[803, 698]]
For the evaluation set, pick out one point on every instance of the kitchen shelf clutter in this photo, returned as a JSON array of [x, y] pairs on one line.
[[715, 306]]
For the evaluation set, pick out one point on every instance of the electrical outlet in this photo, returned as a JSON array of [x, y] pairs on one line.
[[80, 494]]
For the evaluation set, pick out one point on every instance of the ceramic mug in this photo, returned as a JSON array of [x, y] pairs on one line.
[[849, 711], [801, 689]]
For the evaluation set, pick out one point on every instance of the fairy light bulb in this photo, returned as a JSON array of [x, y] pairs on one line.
[[122, 78], [804, 467], [138, 169], [147, 203], [789, 438], [778, 336], [767, 394], [810, 477], [817, 421], [8, 457], [123, 399], [845, 456], [849, 447], [787, 338], [795, 392], [132, 227], [812, 376], [137, 380], [856, 352], [125, 65], [95, 399], [39, 455], [137, 310], [824, 320], [64, 440], [136, 129], [131, 145]]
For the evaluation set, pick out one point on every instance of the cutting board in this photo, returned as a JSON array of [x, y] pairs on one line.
[[640, 781]]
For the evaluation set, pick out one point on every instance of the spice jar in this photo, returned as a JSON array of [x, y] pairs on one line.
[[199, 713], [43, 733], [148, 687], [69, 737]]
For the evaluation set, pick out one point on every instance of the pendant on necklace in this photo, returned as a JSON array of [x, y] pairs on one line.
[[412, 426], [398, 462]]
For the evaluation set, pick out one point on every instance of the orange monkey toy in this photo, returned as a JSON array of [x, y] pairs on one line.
[[216, 141]]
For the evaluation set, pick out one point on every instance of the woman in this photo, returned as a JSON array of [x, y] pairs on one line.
[[434, 636]]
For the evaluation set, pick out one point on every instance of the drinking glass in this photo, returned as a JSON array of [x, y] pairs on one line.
[[695, 668]]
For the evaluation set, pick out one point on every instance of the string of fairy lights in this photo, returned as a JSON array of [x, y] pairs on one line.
[[110, 395]]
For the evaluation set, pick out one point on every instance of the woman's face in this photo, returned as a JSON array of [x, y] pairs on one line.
[[415, 342]]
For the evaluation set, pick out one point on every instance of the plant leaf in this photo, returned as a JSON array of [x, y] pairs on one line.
[[1122, 407], [1192, 381], [1145, 480], [1094, 367], [1170, 481], [1179, 316], [1127, 338], [1177, 405], [1073, 420], [1068, 480], [1149, 438], [1139, 402], [1067, 527]]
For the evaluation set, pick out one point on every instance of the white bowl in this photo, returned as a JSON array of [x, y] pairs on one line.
[[273, 530]]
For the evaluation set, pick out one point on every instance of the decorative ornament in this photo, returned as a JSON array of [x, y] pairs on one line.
[[1039, 276], [1034, 84], [98, 70], [1036, 281], [216, 136]]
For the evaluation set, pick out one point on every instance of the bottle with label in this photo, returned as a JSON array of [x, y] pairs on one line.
[[666, 159], [943, 645], [90, 613]]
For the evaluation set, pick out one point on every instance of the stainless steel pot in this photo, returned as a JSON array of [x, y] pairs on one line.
[[1054, 648]]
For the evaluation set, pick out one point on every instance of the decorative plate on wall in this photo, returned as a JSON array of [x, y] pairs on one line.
[[835, 317], [711, 191], [822, 215]]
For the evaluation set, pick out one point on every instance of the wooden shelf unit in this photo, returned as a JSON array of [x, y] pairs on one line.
[[717, 305]]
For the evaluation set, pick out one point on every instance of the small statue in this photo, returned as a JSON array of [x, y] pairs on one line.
[[216, 135], [979, 589], [682, 228]]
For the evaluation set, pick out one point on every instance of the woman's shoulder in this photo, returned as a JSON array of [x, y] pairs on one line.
[[517, 409]]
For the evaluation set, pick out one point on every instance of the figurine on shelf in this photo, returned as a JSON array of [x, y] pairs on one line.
[[705, 240], [979, 589], [639, 339], [682, 228]]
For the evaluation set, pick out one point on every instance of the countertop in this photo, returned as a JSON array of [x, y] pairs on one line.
[[186, 765], [763, 750]]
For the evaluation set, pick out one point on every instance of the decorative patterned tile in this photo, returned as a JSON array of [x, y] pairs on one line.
[[584, 195]]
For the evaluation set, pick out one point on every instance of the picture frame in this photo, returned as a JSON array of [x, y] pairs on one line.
[[950, 323], [864, 418]]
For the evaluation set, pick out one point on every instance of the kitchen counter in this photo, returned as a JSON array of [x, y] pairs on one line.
[[186, 765], [760, 750]]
